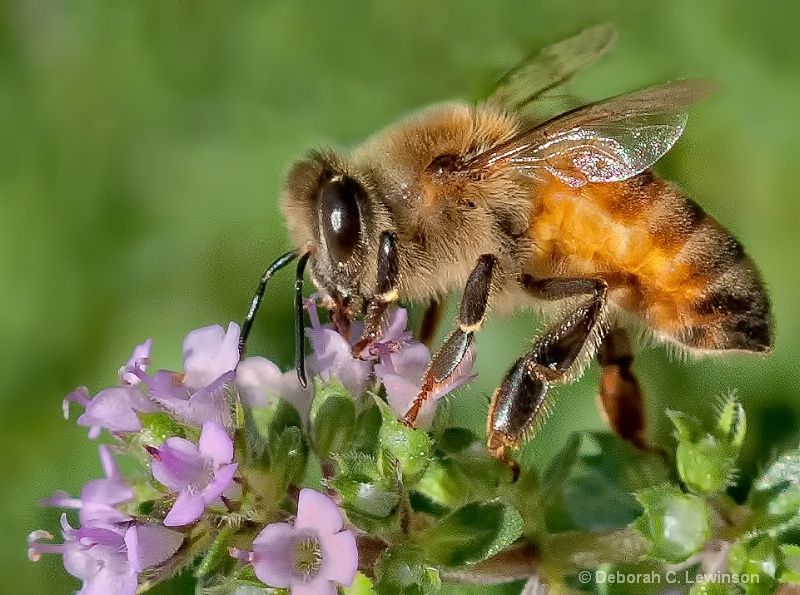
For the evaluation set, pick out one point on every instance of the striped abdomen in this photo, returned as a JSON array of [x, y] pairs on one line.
[[665, 259]]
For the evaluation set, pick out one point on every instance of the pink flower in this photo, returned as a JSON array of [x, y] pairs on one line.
[[108, 557], [115, 408], [396, 359], [200, 473], [310, 557], [197, 395], [99, 497]]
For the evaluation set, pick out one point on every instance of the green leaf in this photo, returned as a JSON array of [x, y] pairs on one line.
[[732, 423], [525, 496], [706, 461], [157, 427], [791, 557], [709, 588], [289, 456], [333, 425], [362, 488], [471, 534], [402, 570], [453, 440], [560, 467], [596, 502], [758, 562], [362, 585], [365, 434], [444, 483], [263, 425], [676, 524], [597, 493], [775, 497], [410, 447]]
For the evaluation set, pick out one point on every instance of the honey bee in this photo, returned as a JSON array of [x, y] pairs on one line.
[[516, 210]]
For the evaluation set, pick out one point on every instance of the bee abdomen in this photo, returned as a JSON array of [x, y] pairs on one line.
[[726, 307]]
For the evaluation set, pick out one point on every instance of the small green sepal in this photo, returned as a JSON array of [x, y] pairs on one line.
[[676, 524]]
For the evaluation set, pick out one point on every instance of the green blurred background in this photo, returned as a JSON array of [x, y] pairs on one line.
[[143, 145]]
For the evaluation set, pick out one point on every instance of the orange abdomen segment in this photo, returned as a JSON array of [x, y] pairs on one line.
[[664, 258]]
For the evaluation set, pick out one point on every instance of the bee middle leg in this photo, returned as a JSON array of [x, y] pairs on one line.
[[555, 358], [445, 363]]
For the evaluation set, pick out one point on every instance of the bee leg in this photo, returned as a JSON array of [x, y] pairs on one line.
[[620, 398], [447, 360], [339, 315], [555, 358], [385, 293], [431, 320]]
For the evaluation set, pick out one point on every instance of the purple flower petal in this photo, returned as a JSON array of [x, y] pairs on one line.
[[333, 359], [396, 329], [318, 511], [309, 556], [139, 359], [108, 581], [258, 379], [80, 395], [99, 497], [208, 353], [339, 557], [207, 404], [112, 490], [223, 478], [296, 395], [273, 555], [401, 373], [178, 464], [113, 408], [150, 545], [188, 507], [215, 444], [97, 555]]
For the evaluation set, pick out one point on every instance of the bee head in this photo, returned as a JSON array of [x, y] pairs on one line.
[[329, 212]]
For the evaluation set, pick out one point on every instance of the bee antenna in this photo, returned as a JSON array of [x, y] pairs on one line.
[[299, 336], [276, 266]]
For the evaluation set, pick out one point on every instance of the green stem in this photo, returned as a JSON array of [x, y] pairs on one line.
[[518, 562], [577, 549], [217, 554]]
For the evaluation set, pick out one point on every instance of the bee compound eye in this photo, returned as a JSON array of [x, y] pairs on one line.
[[340, 203]]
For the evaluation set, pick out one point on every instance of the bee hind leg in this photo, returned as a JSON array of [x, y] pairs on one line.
[[520, 405], [620, 398], [447, 361]]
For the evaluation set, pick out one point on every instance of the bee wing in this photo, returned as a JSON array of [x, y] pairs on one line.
[[607, 141], [551, 67]]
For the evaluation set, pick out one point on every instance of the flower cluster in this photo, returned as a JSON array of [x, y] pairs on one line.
[[205, 485], [256, 484], [396, 361]]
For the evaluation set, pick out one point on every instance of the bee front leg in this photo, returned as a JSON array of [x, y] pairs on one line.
[[555, 358], [445, 363], [385, 293]]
